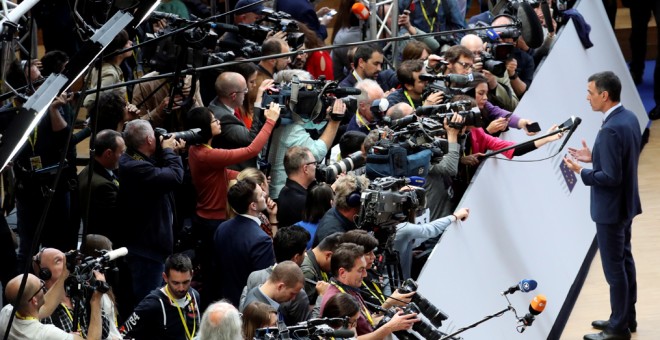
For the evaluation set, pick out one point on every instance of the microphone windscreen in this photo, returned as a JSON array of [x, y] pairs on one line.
[[527, 285], [113, 254], [532, 31], [342, 333], [547, 16], [538, 304], [360, 10]]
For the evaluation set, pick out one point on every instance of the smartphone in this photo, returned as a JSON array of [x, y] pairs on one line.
[[533, 127], [332, 13]]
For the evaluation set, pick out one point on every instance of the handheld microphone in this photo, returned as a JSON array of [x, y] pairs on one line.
[[535, 308], [416, 181], [576, 122], [547, 16], [524, 286], [360, 10]]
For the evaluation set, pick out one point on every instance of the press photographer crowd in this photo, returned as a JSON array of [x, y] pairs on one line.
[[296, 195]]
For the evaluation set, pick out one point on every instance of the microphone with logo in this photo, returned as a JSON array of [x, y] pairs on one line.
[[535, 308], [524, 286], [360, 10]]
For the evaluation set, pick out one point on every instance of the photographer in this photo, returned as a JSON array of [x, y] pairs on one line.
[[500, 91], [36, 303], [148, 174], [286, 136], [520, 65], [342, 217], [364, 119], [50, 265], [412, 87], [348, 269]]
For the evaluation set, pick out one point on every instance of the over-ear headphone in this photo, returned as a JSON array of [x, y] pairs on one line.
[[353, 199], [42, 273]]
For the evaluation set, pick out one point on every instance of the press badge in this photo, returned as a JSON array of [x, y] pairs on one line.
[[35, 163]]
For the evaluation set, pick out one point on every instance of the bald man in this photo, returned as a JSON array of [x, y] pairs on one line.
[[35, 304], [50, 265], [231, 90], [221, 321], [501, 93]]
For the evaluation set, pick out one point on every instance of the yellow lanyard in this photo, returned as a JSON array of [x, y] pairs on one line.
[[405, 93], [430, 22], [66, 309], [365, 311], [358, 117], [380, 297], [33, 139], [357, 78], [324, 276], [183, 319], [208, 146], [24, 317]]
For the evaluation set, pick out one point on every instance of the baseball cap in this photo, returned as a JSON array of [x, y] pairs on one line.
[[258, 8]]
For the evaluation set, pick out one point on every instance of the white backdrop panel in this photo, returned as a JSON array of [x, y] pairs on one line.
[[524, 222]]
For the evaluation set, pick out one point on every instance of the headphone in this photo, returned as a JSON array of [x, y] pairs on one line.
[[42, 273], [353, 199]]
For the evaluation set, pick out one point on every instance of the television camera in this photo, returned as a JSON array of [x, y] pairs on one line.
[[278, 22], [81, 282], [308, 99]]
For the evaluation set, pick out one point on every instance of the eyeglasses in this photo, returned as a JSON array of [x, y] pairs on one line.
[[215, 120], [244, 91], [41, 288], [310, 163], [467, 66]]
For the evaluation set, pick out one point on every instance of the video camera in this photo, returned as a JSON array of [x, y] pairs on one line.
[[279, 22], [384, 205], [309, 99], [81, 282], [328, 173], [314, 329]]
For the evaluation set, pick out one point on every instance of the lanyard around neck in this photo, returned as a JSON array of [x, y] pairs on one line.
[[435, 15], [183, 319], [365, 310]]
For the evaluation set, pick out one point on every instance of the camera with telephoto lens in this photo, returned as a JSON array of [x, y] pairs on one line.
[[328, 173], [279, 22], [313, 329], [191, 136], [425, 329], [430, 311]]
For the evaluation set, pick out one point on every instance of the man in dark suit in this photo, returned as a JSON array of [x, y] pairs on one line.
[[240, 246], [614, 200], [100, 192]]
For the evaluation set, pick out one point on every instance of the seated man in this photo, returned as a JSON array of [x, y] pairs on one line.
[[283, 285], [316, 265], [342, 217], [170, 312], [348, 269], [36, 304], [221, 321]]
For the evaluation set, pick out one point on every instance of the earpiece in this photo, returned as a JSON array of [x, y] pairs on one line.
[[42, 273]]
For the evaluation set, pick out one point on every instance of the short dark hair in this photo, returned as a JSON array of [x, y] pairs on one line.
[[365, 52], [179, 262], [116, 44], [330, 242], [340, 305], [200, 118], [294, 158], [272, 46], [241, 194], [607, 81], [290, 241], [111, 106], [287, 272], [350, 142], [405, 71], [53, 62], [344, 257], [414, 50], [456, 52], [105, 140], [318, 202], [361, 238]]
